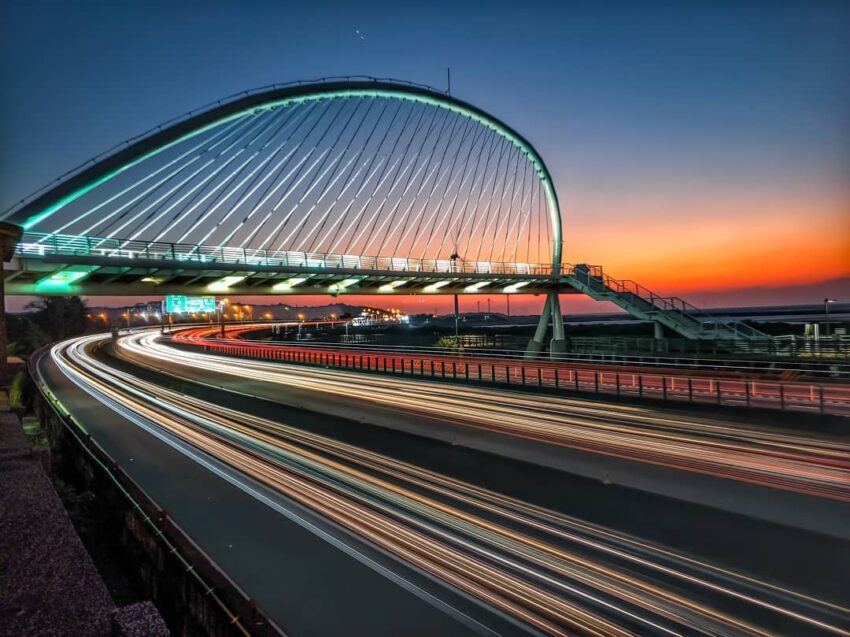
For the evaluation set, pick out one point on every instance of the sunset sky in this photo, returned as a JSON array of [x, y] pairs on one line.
[[700, 148]]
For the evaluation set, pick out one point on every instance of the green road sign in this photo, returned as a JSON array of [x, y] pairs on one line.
[[179, 304]]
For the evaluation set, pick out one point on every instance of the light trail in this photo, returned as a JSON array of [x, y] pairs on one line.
[[805, 462], [550, 572]]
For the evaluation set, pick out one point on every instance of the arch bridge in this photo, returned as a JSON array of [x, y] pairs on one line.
[[345, 186]]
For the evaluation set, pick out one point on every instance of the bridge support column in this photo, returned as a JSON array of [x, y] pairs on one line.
[[535, 345], [659, 337], [9, 235], [558, 344], [551, 312]]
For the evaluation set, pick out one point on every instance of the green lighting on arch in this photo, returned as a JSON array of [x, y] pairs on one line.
[[388, 93]]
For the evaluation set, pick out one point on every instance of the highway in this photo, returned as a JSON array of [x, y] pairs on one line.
[[458, 555], [808, 463]]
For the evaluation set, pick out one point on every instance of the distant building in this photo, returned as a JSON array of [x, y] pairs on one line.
[[375, 316]]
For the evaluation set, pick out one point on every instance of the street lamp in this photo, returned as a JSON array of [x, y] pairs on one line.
[[222, 306]]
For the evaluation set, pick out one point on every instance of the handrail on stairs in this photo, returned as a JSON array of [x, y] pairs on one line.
[[585, 273]]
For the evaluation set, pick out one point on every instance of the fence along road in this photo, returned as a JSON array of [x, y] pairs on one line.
[[810, 397]]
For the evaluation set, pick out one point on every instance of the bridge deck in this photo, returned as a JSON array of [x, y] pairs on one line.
[[63, 264]]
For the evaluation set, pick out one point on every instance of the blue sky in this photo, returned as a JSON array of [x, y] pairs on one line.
[[723, 85], [649, 114]]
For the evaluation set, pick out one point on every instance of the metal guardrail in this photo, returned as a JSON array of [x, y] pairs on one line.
[[808, 397], [38, 245], [473, 347], [241, 611], [836, 347]]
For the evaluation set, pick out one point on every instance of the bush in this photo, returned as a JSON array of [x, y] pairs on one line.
[[448, 342], [19, 394], [46, 320]]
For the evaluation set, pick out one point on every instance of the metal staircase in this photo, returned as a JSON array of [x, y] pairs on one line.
[[673, 312]]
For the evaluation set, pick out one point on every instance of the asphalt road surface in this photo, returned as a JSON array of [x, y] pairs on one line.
[[340, 528]]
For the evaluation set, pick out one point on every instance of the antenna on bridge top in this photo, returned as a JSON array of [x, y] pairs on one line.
[[449, 78]]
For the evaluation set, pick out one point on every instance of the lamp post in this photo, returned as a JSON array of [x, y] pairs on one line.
[[453, 260], [221, 308], [457, 328]]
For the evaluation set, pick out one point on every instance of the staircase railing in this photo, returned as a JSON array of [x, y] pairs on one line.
[[668, 304]]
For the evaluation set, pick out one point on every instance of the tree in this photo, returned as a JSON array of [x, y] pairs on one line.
[[59, 317], [24, 335]]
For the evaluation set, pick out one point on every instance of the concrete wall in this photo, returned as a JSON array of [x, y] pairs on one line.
[[194, 596]]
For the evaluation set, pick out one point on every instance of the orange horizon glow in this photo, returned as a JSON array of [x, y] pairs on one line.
[[737, 240], [740, 249]]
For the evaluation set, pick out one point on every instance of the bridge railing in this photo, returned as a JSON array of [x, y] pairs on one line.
[[40, 245], [668, 304]]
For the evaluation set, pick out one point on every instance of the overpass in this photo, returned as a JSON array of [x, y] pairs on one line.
[[344, 186]]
